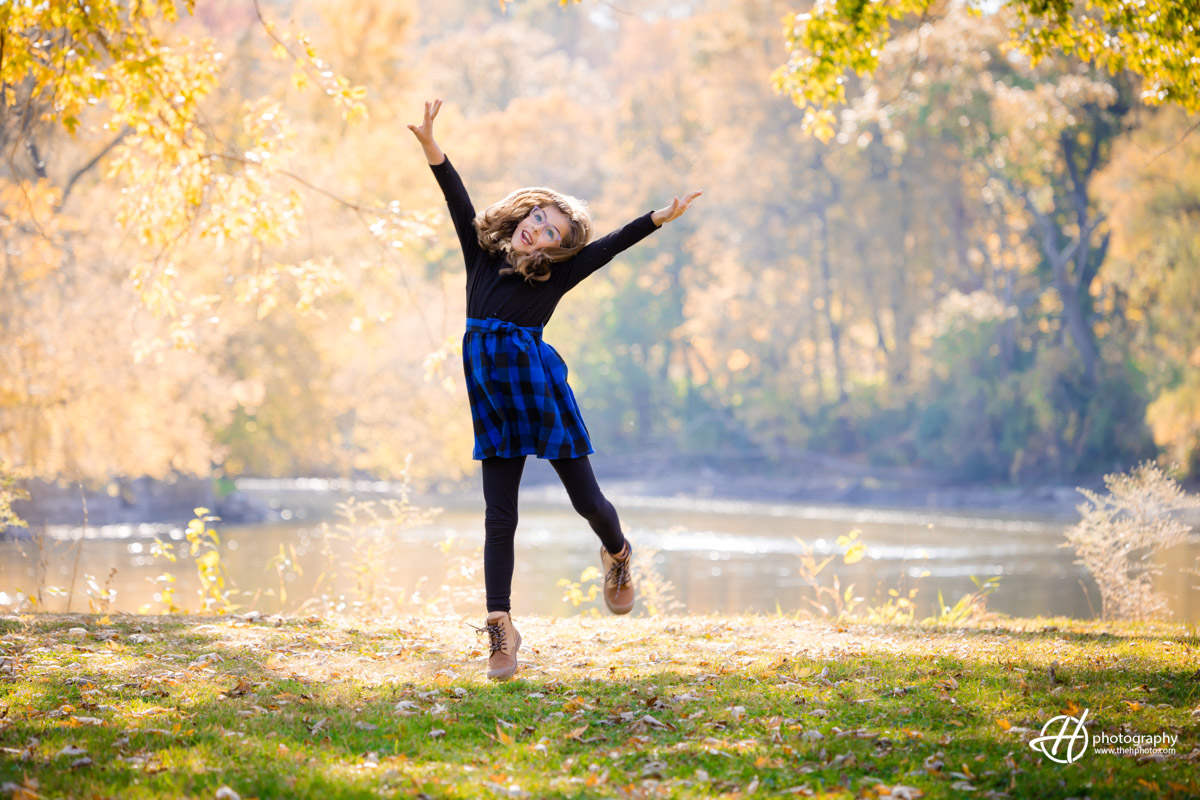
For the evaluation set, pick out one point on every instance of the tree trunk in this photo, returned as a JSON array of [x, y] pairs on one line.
[[869, 283], [822, 243], [901, 360]]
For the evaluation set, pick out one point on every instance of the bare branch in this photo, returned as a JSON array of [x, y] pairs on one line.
[[39, 165], [303, 182], [91, 164], [1169, 148]]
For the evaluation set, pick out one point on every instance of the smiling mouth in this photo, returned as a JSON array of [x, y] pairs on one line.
[[525, 237]]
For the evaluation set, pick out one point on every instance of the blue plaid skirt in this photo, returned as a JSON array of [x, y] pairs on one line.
[[520, 401]]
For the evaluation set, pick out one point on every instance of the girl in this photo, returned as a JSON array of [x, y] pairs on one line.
[[522, 255]]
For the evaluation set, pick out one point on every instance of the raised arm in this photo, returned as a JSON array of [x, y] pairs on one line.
[[606, 248], [462, 212], [424, 133]]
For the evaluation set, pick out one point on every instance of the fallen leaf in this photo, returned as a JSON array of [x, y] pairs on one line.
[[26, 790], [649, 720], [575, 704], [87, 721], [147, 712]]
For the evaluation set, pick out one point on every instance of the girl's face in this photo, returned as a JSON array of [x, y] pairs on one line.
[[543, 227]]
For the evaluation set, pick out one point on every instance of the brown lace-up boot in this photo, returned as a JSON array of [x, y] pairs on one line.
[[504, 642], [618, 585]]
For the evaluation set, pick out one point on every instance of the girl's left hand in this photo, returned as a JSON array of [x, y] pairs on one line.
[[675, 210]]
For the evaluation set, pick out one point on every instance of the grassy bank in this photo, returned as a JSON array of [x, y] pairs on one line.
[[691, 706]]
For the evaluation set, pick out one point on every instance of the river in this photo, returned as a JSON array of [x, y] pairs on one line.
[[718, 555]]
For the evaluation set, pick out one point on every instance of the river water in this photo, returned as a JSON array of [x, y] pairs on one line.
[[717, 555]]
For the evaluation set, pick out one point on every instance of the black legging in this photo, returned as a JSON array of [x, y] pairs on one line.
[[501, 480]]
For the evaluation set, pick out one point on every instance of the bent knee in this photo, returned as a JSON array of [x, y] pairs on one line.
[[591, 507]]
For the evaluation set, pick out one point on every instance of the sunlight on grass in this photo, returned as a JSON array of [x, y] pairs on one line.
[[683, 706]]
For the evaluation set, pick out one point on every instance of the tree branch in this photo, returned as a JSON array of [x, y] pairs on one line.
[[91, 164], [1191, 129], [1092, 268], [1094, 155], [1078, 189], [39, 166], [383, 212]]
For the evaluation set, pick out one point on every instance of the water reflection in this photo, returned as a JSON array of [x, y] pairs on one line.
[[721, 556]]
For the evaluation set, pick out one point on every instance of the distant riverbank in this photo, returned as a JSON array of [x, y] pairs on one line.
[[817, 480]]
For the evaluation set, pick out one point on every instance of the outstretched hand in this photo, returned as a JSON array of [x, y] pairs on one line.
[[675, 210], [424, 131]]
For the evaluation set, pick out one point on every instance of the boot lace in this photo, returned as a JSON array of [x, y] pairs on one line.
[[618, 573], [495, 632]]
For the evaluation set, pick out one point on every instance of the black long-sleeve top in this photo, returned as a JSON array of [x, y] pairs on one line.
[[510, 297]]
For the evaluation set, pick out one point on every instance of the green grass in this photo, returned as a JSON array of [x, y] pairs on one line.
[[691, 707]]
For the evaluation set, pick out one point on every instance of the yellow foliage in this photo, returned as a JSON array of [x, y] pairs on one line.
[[1174, 417]]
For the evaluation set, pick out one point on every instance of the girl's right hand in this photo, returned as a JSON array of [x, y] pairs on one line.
[[424, 131]]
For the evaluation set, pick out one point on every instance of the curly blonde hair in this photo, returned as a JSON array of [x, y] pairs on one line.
[[495, 225]]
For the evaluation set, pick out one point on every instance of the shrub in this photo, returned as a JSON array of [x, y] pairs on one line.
[[1120, 534]]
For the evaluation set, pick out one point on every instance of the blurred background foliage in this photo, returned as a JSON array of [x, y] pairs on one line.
[[223, 251]]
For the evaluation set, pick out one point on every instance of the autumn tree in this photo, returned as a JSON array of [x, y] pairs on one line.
[[1156, 41], [1151, 192], [215, 320]]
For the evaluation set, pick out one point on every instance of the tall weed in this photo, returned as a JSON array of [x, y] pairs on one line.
[[830, 600], [358, 550]]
